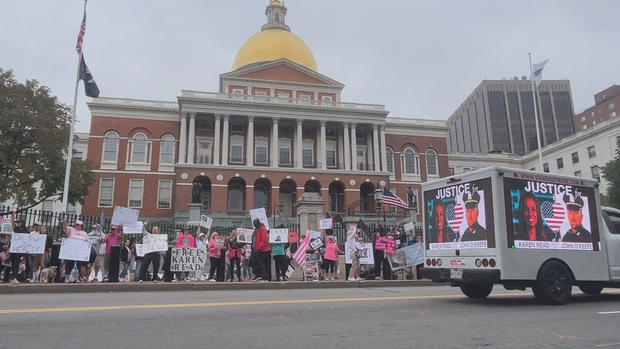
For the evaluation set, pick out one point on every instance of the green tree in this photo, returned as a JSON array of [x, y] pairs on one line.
[[34, 132], [611, 173]]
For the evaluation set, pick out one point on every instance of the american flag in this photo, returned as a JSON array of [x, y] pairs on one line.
[[454, 215], [80, 38], [390, 199], [553, 214], [300, 254]]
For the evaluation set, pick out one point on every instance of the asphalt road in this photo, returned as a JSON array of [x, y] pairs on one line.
[[399, 317]]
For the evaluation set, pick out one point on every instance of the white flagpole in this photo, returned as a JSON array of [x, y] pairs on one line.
[[65, 192], [534, 93]]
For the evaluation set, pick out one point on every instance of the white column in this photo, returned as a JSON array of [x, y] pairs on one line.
[[323, 154], [191, 144], [275, 154], [383, 149], [225, 141], [183, 139], [339, 158], [353, 148], [299, 141], [375, 148], [249, 151], [347, 148], [216, 141]]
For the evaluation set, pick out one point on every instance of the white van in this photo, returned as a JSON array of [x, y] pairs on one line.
[[520, 229]]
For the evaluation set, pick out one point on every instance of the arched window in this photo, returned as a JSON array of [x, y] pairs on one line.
[[110, 147], [410, 163], [262, 195], [138, 153], [236, 194], [431, 162], [389, 159], [167, 150], [336, 196]]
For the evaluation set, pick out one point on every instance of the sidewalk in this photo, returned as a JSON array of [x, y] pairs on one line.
[[200, 286]]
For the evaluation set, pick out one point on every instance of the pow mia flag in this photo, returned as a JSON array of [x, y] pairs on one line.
[[90, 86]]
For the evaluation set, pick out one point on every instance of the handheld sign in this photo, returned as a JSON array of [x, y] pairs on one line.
[[135, 228], [124, 215], [155, 243], [206, 221], [316, 244], [261, 214], [408, 227], [220, 242], [187, 259], [386, 244], [244, 236], [326, 223], [293, 237], [6, 227], [139, 250], [28, 243], [278, 236], [74, 250]]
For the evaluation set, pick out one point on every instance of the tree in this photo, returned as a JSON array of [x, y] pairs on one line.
[[611, 173], [34, 132]]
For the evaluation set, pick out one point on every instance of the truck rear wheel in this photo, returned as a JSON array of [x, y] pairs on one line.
[[553, 284], [477, 291], [591, 290]]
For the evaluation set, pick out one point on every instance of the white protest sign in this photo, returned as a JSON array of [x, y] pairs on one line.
[[74, 250], [397, 260], [244, 236], [220, 242], [277, 236], [316, 244], [364, 251], [187, 259], [28, 243], [414, 254], [139, 250], [326, 223], [314, 234], [261, 214], [352, 229], [155, 243], [408, 226], [206, 221], [135, 228], [6, 226], [124, 215]]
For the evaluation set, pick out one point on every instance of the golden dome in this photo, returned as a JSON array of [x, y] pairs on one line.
[[273, 44]]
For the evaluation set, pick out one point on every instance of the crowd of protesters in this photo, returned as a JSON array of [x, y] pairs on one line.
[[228, 259]]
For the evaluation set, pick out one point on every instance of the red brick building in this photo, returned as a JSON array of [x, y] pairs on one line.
[[275, 129], [606, 106]]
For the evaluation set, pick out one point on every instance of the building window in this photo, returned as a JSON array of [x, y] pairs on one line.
[[204, 151], [236, 149], [546, 167], [595, 173], [305, 99], [110, 147], [167, 150], [330, 154], [237, 128], [78, 154], [431, 163], [285, 151], [327, 99], [283, 95], [577, 173], [164, 194], [261, 151], [261, 95], [236, 194], [237, 92], [136, 191], [451, 169], [308, 153], [138, 149], [106, 192], [389, 153], [410, 159], [583, 118], [361, 157], [575, 157], [560, 162], [591, 151], [48, 205], [612, 105]]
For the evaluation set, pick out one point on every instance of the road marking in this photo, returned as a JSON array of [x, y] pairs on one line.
[[222, 304], [607, 345], [608, 312]]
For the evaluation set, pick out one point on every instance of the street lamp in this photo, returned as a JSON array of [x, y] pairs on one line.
[[378, 194]]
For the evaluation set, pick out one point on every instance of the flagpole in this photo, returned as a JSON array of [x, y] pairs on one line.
[[534, 93]]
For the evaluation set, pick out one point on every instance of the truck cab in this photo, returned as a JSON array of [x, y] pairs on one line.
[[521, 229]]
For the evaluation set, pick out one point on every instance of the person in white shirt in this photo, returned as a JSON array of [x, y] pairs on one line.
[[97, 237]]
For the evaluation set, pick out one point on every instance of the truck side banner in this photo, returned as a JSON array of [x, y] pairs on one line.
[[460, 216], [550, 214]]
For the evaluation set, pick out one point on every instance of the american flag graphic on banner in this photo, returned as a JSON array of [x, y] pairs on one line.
[[454, 215], [553, 213], [300, 254]]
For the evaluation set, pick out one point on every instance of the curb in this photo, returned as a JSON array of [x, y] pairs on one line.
[[202, 286]]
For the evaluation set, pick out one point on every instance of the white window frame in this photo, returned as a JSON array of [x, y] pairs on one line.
[[236, 141], [308, 144], [209, 141], [134, 165], [260, 96], [112, 196], [331, 145], [263, 142], [285, 143], [110, 164], [592, 153], [416, 165], [47, 205], [162, 141], [389, 154], [364, 150], [129, 198], [434, 154], [284, 95], [305, 99], [159, 191], [237, 93]]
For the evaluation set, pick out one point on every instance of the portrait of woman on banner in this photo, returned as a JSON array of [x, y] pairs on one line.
[[440, 228], [531, 224]]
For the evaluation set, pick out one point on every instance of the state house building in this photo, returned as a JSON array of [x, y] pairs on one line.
[[275, 129]]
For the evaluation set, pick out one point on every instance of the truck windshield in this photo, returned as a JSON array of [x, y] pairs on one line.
[[612, 221]]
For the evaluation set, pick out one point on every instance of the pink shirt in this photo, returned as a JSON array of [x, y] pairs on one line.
[[73, 233], [214, 251], [331, 251], [114, 239], [186, 240]]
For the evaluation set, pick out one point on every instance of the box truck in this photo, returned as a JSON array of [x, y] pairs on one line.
[[520, 229]]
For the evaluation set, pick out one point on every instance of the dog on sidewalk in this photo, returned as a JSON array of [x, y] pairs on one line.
[[48, 274]]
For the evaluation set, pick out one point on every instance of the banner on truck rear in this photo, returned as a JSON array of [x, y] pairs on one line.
[[460, 216], [550, 213]]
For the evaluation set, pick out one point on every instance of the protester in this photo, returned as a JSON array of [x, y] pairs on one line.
[[96, 237], [349, 246], [331, 256], [201, 245], [280, 261], [234, 256], [214, 255], [20, 228], [126, 259], [354, 246], [418, 267], [33, 260], [151, 257], [5, 263], [77, 232], [261, 250], [138, 259], [246, 270], [111, 239]]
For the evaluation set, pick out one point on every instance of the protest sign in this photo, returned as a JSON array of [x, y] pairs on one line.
[[244, 236], [206, 221], [187, 259], [293, 237], [365, 253], [261, 214], [311, 267], [155, 243], [407, 227], [135, 228], [314, 234], [278, 236], [139, 250], [28, 243], [6, 226], [220, 242], [74, 250], [386, 244], [397, 260], [405, 257], [316, 243], [325, 223], [290, 271], [124, 215], [352, 229]]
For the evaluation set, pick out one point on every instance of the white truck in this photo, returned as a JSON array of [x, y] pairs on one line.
[[520, 229]]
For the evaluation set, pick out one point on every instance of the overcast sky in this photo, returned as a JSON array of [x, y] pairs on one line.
[[419, 58]]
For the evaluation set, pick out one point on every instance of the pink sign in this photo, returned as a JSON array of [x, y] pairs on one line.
[[386, 244]]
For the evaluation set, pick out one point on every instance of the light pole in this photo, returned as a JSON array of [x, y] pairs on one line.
[[378, 194]]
